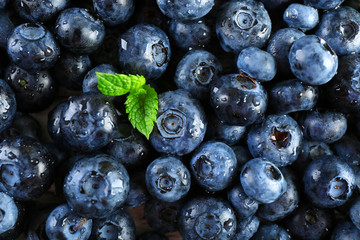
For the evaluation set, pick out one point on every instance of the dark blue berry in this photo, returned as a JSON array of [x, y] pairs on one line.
[[246, 228], [301, 16], [8, 105], [6, 27], [348, 149], [269, 231], [90, 82], [114, 12], [324, 4], [345, 230], [244, 206]]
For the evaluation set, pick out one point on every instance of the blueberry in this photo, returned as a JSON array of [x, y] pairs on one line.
[[144, 49], [312, 60], [301, 16], [114, 12], [345, 230], [120, 225], [189, 35], [241, 24], [246, 228], [257, 64], [238, 99], [285, 204], [348, 149], [32, 47], [324, 4], [262, 180], [88, 122], [90, 82], [11, 217], [354, 213], [78, 31], [277, 138], [3, 3], [292, 96], [40, 10], [279, 45], [326, 127], [196, 71], [207, 218], [6, 27], [8, 105], [213, 165], [163, 216], [96, 186], [167, 179], [180, 125], [244, 206], [53, 125], [269, 231], [138, 194], [341, 30], [186, 9], [34, 91], [65, 224], [328, 181]]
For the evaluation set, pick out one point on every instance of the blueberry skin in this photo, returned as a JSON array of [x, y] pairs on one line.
[[71, 70], [312, 60], [8, 105], [324, 4], [237, 99], [96, 186], [325, 127], [53, 125], [189, 35], [213, 165], [163, 216], [120, 225], [262, 180], [32, 47], [301, 16], [292, 96], [12, 217], [196, 71], [246, 228], [340, 28], [78, 31], [39, 10], [33, 91], [186, 9], [6, 27], [244, 206], [167, 179], [285, 204], [113, 12], [65, 224], [207, 218], [138, 194], [269, 231], [343, 90], [152, 236], [257, 63], [241, 24], [277, 138], [181, 123], [309, 222], [88, 122], [90, 82], [26, 168], [279, 46], [328, 181], [144, 49], [354, 213], [345, 231], [3, 3], [348, 149]]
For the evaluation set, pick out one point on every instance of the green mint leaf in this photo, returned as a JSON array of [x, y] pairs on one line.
[[141, 106], [118, 84]]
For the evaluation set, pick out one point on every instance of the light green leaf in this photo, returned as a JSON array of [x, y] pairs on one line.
[[118, 84], [142, 106]]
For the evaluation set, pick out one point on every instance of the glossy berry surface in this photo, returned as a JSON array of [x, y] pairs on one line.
[[244, 205], [26, 168], [12, 217], [324, 4], [301, 16], [207, 218], [246, 228], [181, 123], [144, 49], [344, 231], [238, 99], [278, 139], [6, 27], [65, 224], [8, 105], [270, 231], [213, 165], [262, 180], [186, 9], [33, 47], [167, 179], [96, 186], [242, 24], [114, 12]]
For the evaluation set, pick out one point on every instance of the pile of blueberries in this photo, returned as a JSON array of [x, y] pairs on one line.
[[257, 133]]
